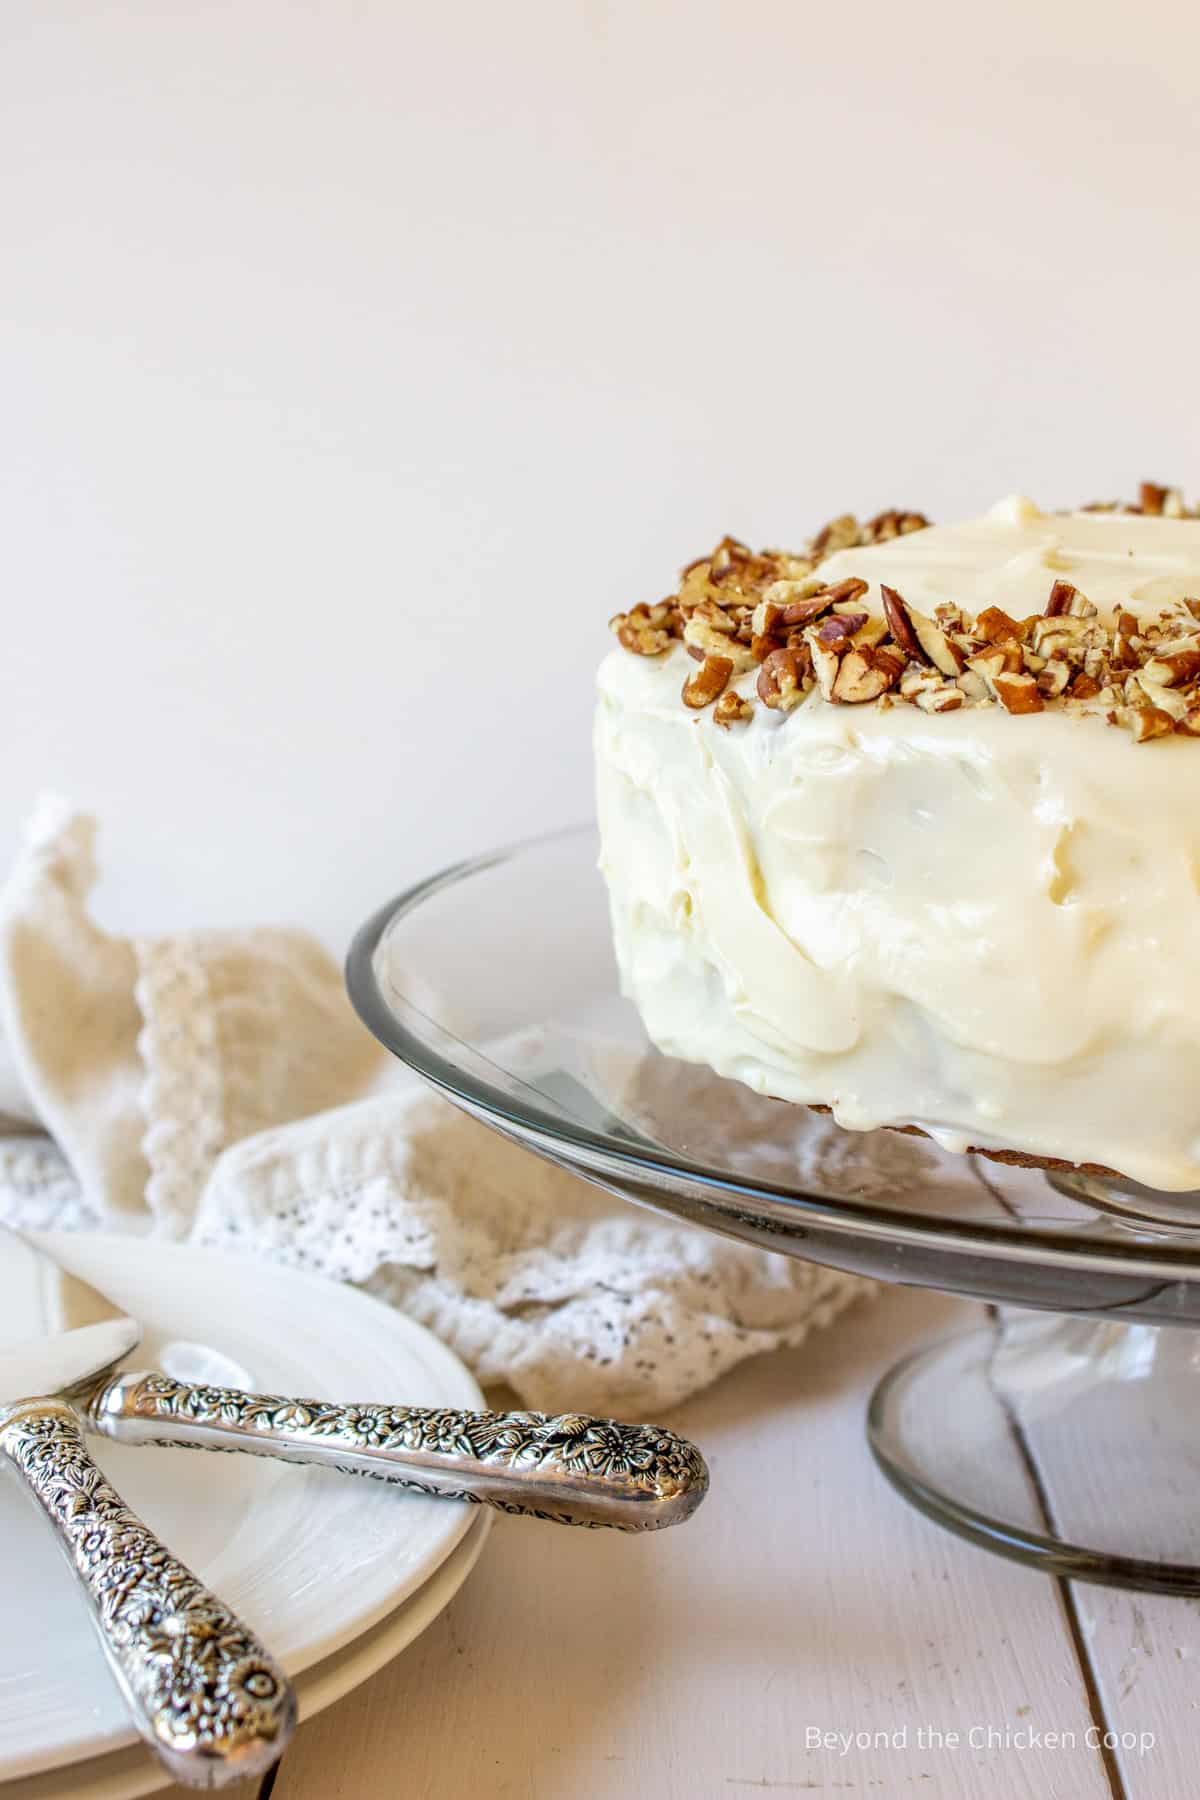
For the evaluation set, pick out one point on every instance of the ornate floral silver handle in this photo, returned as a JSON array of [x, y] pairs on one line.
[[572, 1469], [200, 1687]]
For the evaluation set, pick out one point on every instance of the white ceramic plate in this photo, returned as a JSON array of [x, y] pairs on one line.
[[130, 1774], [310, 1558]]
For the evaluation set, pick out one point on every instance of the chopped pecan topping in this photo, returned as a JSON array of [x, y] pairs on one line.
[[739, 610], [1151, 499]]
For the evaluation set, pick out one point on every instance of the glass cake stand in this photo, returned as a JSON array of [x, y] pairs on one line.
[[1067, 1436]]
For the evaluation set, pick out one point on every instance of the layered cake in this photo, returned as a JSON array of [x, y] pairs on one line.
[[906, 825]]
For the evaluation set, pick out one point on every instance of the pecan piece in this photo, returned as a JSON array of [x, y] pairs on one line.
[[1174, 666], [784, 593], [1148, 722], [811, 606], [919, 637], [994, 623], [643, 630], [940, 699], [825, 661], [700, 634], [841, 533], [1052, 680], [1140, 688], [1083, 688], [938, 649], [1017, 693], [840, 627], [768, 617], [890, 524], [1151, 497], [843, 592], [895, 611], [709, 613], [710, 680], [917, 679], [1060, 635], [800, 612], [780, 681], [643, 640], [860, 678], [1061, 596], [731, 709], [1124, 656], [973, 685], [888, 658], [728, 555], [989, 664]]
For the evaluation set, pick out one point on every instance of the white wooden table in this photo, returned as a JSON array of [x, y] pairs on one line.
[[806, 1632]]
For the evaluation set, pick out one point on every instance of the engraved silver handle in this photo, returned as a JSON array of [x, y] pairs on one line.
[[572, 1469], [200, 1687]]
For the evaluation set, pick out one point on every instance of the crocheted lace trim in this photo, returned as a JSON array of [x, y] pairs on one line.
[[182, 1092]]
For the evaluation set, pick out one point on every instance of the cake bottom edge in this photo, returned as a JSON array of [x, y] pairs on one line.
[[1014, 1159]]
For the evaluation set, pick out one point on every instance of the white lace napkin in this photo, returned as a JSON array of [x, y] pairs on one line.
[[216, 1086]]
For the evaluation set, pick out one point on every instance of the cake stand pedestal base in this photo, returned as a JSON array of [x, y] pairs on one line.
[[1070, 1444]]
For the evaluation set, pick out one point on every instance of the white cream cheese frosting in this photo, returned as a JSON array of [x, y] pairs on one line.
[[981, 924]]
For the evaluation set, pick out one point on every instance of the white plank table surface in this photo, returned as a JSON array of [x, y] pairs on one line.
[[805, 1598]]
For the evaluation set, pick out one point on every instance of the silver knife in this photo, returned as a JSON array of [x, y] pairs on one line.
[[211, 1702], [570, 1468]]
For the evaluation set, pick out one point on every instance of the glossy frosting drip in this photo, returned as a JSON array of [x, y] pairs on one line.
[[980, 924]]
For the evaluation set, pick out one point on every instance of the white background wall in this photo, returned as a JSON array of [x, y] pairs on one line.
[[360, 359]]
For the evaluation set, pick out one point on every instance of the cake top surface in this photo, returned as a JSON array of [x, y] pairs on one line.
[[1096, 611]]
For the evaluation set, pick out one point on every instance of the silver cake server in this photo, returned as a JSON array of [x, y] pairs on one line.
[[569, 1468], [200, 1688]]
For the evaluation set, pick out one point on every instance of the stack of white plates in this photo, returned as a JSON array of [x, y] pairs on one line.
[[335, 1573]]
